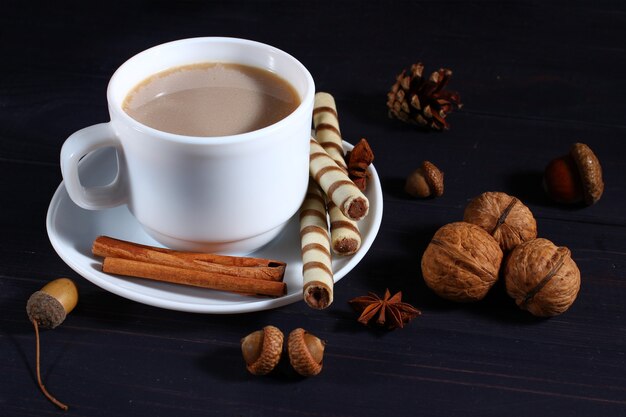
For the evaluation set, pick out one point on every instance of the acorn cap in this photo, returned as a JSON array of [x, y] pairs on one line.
[[434, 177], [269, 351], [590, 172], [300, 355], [46, 310]]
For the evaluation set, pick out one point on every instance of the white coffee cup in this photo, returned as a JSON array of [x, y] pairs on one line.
[[227, 194]]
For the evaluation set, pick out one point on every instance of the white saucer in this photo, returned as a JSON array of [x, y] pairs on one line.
[[72, 231]]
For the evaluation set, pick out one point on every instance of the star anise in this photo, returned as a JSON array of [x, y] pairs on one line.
[[388, 311], [358, 159]]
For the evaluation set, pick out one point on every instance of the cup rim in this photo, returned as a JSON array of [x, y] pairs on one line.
[[221, 140]]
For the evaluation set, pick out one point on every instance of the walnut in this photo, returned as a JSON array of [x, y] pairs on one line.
[[504, 217], [541, 277], [461, 263]]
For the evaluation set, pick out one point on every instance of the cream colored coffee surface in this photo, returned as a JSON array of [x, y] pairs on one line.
[[211, 99]]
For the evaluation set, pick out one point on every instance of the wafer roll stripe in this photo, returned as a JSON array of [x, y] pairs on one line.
[[315, 243], [345, 237], [344, 233], [336, 184], [326, 123]]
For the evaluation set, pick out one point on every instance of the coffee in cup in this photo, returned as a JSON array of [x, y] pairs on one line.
[[227, 191], [211, 99]]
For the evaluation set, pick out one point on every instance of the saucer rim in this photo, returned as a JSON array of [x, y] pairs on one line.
[[69, 255]]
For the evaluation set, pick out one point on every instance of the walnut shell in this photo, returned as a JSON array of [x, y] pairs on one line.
[[541, 277], [461, 263], [504, 217]]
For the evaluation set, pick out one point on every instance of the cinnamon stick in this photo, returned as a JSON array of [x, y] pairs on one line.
[[176, 275], [245, 267]]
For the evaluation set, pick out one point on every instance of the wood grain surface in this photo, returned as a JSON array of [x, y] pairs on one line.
[[534, 78]]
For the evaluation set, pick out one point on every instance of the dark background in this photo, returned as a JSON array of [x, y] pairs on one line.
[[534, 78]]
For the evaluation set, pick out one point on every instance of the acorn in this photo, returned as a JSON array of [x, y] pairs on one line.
[[306, 352], [262, 349], [425, 181], [48, 308], [50, 305], [575, 177]]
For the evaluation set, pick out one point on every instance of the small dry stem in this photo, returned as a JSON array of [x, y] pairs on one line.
[[41, 385]]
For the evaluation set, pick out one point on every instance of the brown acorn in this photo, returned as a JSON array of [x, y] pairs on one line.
[[575, 177], [262, 350], [306, 352], [48, 308], [425, 181]]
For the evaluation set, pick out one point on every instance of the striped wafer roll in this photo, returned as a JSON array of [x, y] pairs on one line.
[[326, 125], [345, 237], [317, 272], [336, 184], [344, 232]]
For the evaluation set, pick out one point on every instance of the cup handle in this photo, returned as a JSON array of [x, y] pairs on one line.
[[78, 145]]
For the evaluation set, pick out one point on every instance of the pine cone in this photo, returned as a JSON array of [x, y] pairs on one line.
[[416, 100]]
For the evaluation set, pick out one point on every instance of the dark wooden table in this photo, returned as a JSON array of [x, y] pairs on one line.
[[534, 79]]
